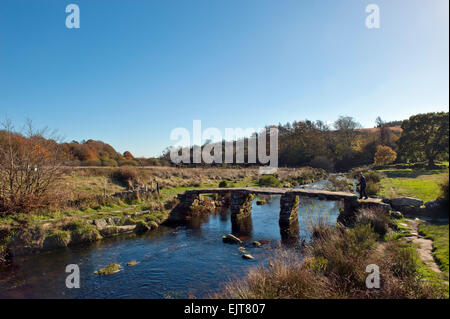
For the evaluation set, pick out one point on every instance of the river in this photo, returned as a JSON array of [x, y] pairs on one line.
[[173, 262]]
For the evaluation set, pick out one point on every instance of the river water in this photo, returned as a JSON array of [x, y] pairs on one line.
[[173, 262]]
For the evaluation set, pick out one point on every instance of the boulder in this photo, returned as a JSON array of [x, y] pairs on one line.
[[396, 215], [126, 229], [437, 204], [116, 221], [141, 227], [58, 239], [153, 224], [109, 231], [248, 256], [100, 223], [401, 202]]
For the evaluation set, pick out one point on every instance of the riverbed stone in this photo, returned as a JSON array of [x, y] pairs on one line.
[[141, 227], [153, 224], [126, 229], [230, 238], [100, 223], [109, 231]]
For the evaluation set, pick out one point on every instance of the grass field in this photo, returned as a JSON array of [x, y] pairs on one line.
[[422, 184]]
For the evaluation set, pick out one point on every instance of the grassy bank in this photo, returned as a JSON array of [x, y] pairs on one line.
[[334, 264], [439, 235]]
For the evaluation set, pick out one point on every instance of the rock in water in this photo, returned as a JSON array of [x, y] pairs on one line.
[[231, 239], [248, 256], [256, 243]]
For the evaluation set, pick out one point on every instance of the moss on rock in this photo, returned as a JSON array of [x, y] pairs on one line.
[[57, 239], [108, 270]]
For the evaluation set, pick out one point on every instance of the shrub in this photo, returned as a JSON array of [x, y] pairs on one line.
[[109, 162], [126, 175], [378, 219], [268, 181], [223, 184], [30, 165], [444, 190], [373, 179], [384, 155], [372, 189]]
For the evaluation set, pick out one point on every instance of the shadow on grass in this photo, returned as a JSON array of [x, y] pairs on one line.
[[409, 173]]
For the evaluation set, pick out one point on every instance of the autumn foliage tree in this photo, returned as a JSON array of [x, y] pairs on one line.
[[29, 167], [384, 155]]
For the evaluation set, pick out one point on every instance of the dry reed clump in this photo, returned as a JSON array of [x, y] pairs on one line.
[[378, 218]]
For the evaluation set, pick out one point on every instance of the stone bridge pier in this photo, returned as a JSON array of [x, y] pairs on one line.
[[288, 210], [241, 204], [188, 200]]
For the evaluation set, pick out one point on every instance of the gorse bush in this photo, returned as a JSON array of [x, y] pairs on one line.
[[223, 184], [268, 181], [373, 177]]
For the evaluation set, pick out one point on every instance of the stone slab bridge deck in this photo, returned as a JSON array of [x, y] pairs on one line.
[[240, 201]]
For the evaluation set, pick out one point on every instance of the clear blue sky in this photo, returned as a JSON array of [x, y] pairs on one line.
[[137, 69]]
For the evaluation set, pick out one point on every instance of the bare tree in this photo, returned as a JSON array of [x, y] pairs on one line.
[[30, 164]]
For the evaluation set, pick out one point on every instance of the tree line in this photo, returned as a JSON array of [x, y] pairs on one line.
[[345, 144]]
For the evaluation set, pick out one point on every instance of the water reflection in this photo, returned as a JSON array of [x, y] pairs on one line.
[[290, 235], [242, 227]]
